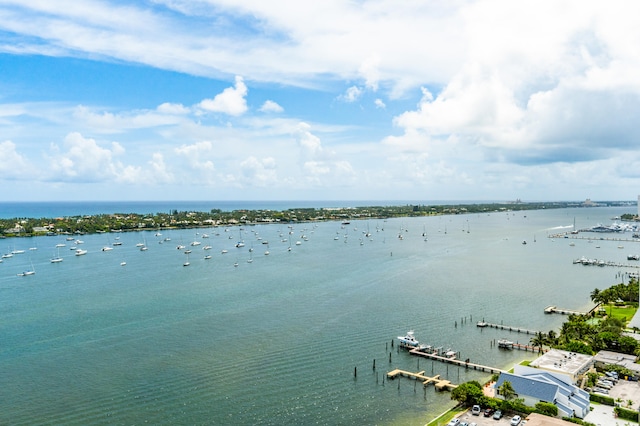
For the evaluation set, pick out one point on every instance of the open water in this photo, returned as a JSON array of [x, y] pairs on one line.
[[277, 341]]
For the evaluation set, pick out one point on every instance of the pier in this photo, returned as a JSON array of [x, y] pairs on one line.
[[439, 383], [555, 310], [483, 324], [454, 361], [508, 344], [599, 262]]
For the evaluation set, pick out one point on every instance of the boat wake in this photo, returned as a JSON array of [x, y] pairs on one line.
[[559, 227]]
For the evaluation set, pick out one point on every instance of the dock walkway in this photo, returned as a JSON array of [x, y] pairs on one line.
[[439, 383], [555, 310], [454, 361], [506, 327]]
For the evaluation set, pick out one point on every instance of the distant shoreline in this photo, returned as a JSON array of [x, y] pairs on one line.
[[175, 219]]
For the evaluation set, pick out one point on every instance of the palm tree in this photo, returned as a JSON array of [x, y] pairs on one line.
[[538, 340], [506, 390]]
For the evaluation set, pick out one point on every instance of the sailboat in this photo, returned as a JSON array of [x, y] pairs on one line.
[[56, 258], [187, 263], [28, 272]]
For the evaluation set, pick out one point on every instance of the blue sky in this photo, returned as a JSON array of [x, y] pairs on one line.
[[333, 100]]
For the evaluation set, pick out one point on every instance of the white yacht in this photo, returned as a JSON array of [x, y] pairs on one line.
[[408, 341]]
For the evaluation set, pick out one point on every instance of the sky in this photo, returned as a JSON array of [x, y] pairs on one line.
[[323, 100]]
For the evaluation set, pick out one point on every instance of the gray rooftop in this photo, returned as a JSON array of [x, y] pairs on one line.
[[563, 361]]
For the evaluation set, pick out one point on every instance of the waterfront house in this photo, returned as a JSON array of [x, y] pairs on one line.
[[534, 385]]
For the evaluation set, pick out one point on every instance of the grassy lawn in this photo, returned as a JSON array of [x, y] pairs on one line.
[[623, 313]]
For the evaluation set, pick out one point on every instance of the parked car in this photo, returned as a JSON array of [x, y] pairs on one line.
[[488, 412], [475, 410], [497, 415], [454, 422], [515, 420]]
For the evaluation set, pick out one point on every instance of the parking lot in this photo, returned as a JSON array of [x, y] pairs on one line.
[[601, 415], [486, 421]]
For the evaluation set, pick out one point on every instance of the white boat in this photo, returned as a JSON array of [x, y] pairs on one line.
[[408, 341], [123, 263], [31, 271], [107, 248], [80, 252]]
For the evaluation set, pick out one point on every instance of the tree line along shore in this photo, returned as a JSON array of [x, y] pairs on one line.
[[119, 222]]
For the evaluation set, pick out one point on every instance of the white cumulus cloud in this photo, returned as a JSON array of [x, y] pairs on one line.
[[231, 101]]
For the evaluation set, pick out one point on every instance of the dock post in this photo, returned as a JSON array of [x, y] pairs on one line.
[[374, 364], [389, 357], [355, 371]]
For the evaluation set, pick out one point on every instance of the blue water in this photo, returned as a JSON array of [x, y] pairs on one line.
[[276, 341]]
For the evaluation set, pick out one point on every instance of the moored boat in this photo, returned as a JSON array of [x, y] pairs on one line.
[[408, 341]]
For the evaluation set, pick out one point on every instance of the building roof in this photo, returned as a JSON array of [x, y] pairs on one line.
[[529, 386], [635, 321], [535, 419], [616, 358], [544, 386], [571, 363]]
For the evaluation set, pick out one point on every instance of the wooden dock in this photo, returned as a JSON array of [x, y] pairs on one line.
[[439, 383], [507, 344], [506, 327], [454, 361], [555, 310]]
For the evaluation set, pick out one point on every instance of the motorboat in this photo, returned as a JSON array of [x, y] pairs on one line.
[[408, 341]]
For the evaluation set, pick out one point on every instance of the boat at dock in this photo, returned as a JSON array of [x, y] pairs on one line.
[[408, 341]]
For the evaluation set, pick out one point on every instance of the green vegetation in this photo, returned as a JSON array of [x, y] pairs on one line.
[[547, 408], [588, 336], [625, 414]]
